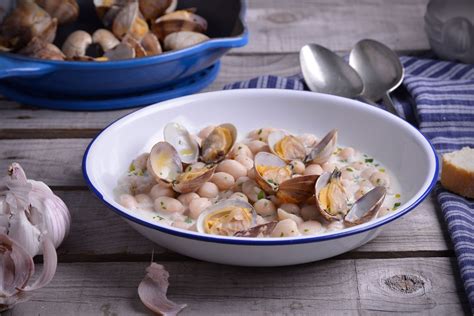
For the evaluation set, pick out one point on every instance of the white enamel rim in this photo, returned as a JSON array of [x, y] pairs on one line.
[[406, 207]]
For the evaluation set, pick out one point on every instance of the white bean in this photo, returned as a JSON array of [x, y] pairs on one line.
[[140, 161], [252, 173], [186, 198], [181, 224], [145, 201], [346, 153], [241, 149], [168, 205], [238, 183], [309, 140], [358, 165], [206, 131], [311, 228], [366, 173], [285, 228], [309, 212], [160, 190], [246, 161], [209, 190], [297, 166], [313, 169], [128, 201], [251, 189], [257, 146], [328, 166], [232, 167], [380, 178], [223, 180], [335, 226], [347, 173], [261, 134], [239, 196], [197, 206], [291, 208], [282, 214], [265, 207], [196, 166]]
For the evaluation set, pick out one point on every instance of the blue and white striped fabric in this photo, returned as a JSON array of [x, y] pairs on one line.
[[438, 98]]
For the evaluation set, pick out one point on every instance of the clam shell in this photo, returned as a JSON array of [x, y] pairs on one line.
[[367, 207], [324, 149], [193, 184], [264, 230], [164, 163], [178, 21], [66, 11], [129, 21], [322, 182], [214, 149], [298, 150], [297, 190], [200, 223], [186, 146], [152, 9], [183, 39], [264, 159]]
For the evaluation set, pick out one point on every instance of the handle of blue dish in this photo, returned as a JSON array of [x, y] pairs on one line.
[[20, 68]]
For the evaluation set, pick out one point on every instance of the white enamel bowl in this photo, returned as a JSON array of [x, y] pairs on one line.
[[389, 139]]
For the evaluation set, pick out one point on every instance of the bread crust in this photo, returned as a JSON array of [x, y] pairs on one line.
[[457, 179]]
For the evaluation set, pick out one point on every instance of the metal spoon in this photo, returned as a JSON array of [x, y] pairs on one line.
[[326, 72], [380, 70]]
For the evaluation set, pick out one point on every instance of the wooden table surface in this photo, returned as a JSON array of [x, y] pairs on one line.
[[410, 267]]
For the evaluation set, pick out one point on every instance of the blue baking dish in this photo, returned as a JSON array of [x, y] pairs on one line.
[[66, 79]]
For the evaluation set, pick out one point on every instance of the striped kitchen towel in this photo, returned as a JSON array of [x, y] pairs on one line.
[[437, 97]]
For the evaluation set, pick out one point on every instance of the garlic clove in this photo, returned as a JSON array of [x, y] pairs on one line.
[[152, 291]]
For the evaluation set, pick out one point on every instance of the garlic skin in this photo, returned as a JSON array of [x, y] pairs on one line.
[[30, 211]]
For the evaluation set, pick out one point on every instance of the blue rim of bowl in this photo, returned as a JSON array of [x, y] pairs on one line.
[[256, 241], [220, 42]]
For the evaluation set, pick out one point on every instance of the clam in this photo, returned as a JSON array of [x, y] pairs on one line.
[[366, 207], [331, 201], [26, 21], [192, 179], [297, 190], [151, 45], [164, 163], [226, 218], [66, 11], [286, 146], [177, 21], [6, 7], [137, 47], [76, 44], [183, 39], [129, 21], [186, 146], [120, 52], [38, 48], [219, 143], [152, 9], [331, 197], [324, 149], [271, 171], [105, 39], [263, 230]]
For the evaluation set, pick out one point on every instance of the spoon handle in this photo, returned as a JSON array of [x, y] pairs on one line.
[[387, 101]]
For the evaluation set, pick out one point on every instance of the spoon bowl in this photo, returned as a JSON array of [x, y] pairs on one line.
[[326, 72], [379, 68]]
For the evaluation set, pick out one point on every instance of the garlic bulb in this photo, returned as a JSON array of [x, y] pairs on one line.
[[30, 211]]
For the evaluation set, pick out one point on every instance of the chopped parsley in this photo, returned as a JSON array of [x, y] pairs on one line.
[[131, 168], [259, 132], [162, 205], [396, 205], [261, 195], [188, 220], [397, 195], [350, 169], [378, 181], [189, 168], [180, 142], [306, 230], [159, 217], [239, 148], [369, 160], [282, 234], [382, 169]]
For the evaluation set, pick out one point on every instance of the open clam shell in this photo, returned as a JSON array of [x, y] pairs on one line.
[[226, 218], [330, 196], [129, 21], [164, 163], [271, 171], [219, 143], [192, 180], [324, 149], [297, 190], [263, 230], [177, 21], [286, 146], [367, 207], [186, 146]]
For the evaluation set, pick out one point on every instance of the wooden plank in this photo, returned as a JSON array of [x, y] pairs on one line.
[[17, 121], [285, 26], [421, 230], [333, 287]]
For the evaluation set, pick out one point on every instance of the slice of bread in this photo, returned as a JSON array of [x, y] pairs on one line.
[[457, 173]]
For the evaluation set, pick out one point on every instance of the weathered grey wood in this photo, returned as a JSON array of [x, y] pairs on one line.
[[97, 231], [15, 119], [333, 287]]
